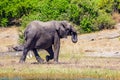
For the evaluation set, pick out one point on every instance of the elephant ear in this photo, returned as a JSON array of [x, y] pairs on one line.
[[61, 29]]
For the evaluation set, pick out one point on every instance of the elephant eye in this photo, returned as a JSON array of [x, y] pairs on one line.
[[68, 31]]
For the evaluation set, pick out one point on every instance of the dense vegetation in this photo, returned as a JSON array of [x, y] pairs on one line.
[[87, 15]]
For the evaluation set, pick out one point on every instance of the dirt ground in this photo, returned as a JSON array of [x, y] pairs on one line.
[[100, 49], [8, 37]]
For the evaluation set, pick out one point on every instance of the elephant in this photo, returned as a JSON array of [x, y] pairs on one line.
[[46, 35]]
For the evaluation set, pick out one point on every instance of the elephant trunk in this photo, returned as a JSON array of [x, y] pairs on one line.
[[74, 37]]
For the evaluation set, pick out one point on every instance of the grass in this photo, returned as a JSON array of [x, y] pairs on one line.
[[56, 71], [83, 68]]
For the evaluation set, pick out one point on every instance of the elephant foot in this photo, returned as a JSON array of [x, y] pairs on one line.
[[47, 58], [21, 61], [40, 60]]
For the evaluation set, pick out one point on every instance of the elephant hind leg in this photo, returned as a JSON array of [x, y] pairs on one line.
[[26, 48], [22, 59], [25, 51], [38, 58], [50, 51]]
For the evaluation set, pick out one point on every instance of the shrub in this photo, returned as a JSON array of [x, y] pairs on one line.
[[87, 15], [104, 21], [116, 6], [14, 9], [4, 22], [47, 10], [93, 14]]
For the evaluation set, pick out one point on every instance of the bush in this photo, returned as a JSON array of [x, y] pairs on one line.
[[93, 14], [82, 13], [104, 21], [116, 6], [4, 22], [14, 9], [87, 15]]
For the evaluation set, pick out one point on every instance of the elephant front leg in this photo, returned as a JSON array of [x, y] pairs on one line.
[[22, 59], [50, 51], [56, 50]]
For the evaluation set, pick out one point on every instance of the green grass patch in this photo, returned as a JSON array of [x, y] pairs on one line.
[[56, 71]]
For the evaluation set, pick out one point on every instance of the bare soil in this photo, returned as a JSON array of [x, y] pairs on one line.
[[8, 38]]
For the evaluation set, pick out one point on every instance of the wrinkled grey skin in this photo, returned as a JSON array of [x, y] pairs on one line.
[[44, 35]]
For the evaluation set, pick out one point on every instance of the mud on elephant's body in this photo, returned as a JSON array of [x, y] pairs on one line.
[[44, 35]]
